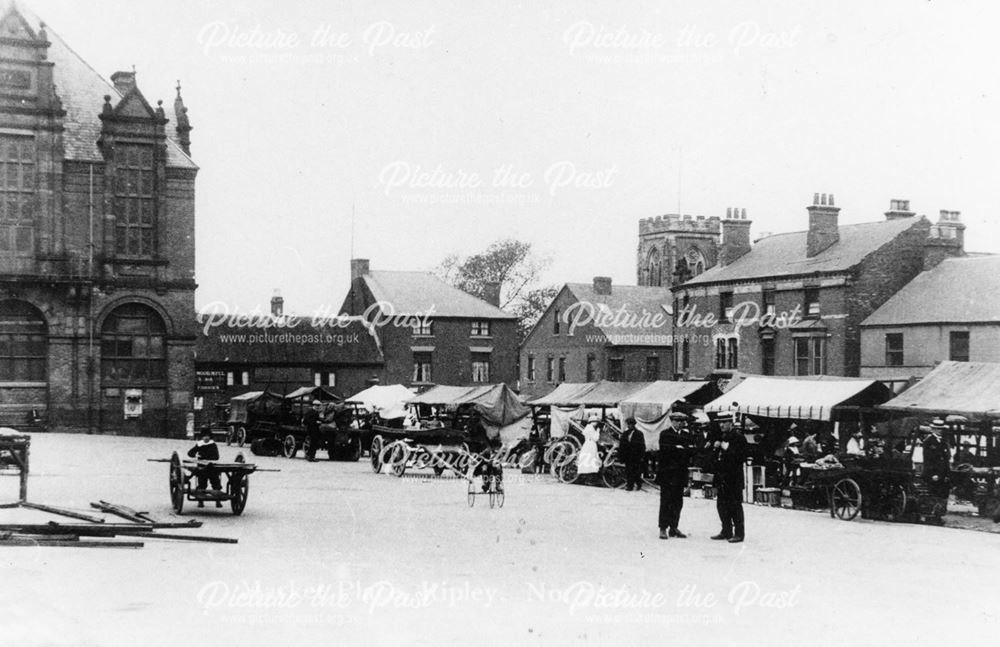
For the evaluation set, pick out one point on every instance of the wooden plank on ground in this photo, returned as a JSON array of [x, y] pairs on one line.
[[61, 511], [72, 544], [119, 511]]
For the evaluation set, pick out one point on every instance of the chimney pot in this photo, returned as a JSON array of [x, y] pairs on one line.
[[359, 267], [602, 285], [816, 199], [277, 304]]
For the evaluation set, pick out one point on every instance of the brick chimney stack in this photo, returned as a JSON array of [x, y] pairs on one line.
[[123, 81], [277, 304], [359, 268], [491, 293], [899, 209], [602, 285], [946, 239], [823, 227], [735, 235]]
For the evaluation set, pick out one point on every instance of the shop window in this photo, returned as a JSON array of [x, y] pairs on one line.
[[133, 341], [23, 343], [958, 346], [894, 349]]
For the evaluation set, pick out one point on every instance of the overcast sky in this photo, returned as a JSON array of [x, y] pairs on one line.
[[446, 125]]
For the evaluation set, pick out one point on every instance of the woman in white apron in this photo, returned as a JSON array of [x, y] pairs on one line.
[[588, 461]]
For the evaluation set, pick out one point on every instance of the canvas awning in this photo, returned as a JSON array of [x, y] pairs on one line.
[[799, 398], [970, 389], [657, 398], [314, 393], [609, 394], [386, 399], [498, 405], [564, 395]]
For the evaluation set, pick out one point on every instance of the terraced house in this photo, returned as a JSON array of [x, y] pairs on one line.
[[793, 303], [96, 244]]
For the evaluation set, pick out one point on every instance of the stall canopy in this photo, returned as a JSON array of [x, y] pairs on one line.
[[498, 405], [658, 398], [609, 394], [387, 400], [564, 395], [314, 393], [800, 398], [970, 389]]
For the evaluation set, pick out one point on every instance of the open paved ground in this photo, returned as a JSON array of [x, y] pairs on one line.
[[331, 554]]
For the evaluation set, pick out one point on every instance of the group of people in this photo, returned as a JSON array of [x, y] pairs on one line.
[[725, 448]]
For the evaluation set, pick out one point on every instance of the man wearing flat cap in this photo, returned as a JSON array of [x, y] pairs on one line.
[[677, 445], [632, 450], [311, 423]]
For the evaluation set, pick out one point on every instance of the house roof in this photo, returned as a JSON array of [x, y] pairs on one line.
[[634, 300], [81, 90], [957, 290], [421, 293], [785, 254], [963, 388]]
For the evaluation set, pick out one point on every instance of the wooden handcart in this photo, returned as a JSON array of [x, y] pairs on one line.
[[184, 474]]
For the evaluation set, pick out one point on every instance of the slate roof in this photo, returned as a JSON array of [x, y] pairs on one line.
[[81, 90], [634, 299], [412, 293], [957, 290], [785, 254]]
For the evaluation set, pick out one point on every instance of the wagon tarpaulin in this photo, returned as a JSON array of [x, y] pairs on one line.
[[799, 398], [260, 402], [498, 405], [387, 400], [970, 389]]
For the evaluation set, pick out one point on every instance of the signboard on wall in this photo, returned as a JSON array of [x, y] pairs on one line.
[[209, 381], [133, 403]]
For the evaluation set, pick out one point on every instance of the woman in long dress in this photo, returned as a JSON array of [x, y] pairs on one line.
[[588, 461]]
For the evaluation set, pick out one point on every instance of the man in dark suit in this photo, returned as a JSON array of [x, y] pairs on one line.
[[730, 459], [937, 466], [632, 450], [676, 448], [311, 423]]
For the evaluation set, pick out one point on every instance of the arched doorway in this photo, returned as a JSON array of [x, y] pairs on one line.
[[133, 370]]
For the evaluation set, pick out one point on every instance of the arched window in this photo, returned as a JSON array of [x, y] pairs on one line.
[[23, 343], [654, 277], [132, 345], [695, 260]]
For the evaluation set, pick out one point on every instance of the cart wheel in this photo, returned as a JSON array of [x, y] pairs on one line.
[[177, 492], [568, 472], [845, 499], [353, 451], [375, 453], [559, 454], [399, 456], [897, 502], [288, 446], [241, 435], [471, 492], [613, 471], [239, 485]]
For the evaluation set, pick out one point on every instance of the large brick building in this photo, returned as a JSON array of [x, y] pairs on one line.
[[815, 286], [431, 332], [951, 311], [96, 244], [599, 331]]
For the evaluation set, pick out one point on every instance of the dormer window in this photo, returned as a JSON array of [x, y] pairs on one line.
[[135, 204]]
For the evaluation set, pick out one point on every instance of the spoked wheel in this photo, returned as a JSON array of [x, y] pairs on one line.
[[499, 494], [239, 485], [399, 456], [471, 492], [241, 435], [559, 454], [569, 473], [375, 453], [613, 475], [288, 446], [353, 450], [176, 483], [896, 505], [845, 499]]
